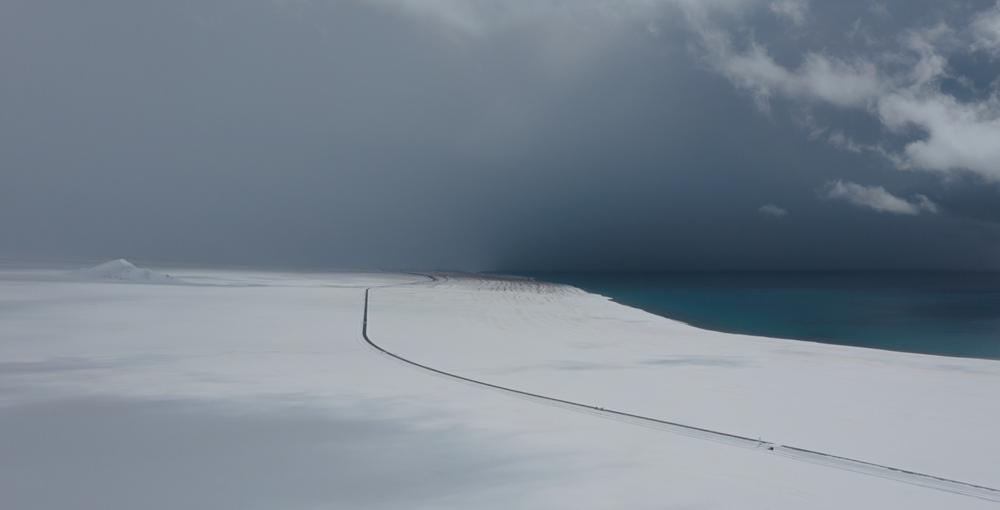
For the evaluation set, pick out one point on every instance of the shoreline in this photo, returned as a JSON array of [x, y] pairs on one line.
[[271, 349], [724, 303]]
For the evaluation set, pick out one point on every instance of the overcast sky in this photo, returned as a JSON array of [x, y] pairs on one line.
[[503, 135]]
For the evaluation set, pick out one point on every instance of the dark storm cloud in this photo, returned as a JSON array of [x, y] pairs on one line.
[[492, 135]]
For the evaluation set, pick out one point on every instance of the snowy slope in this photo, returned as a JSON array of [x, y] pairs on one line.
[[121, 271]]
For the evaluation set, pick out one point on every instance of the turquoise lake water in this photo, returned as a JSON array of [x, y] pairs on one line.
[[946, 313]]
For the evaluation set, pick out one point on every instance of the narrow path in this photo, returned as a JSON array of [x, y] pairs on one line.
[[929, 481]]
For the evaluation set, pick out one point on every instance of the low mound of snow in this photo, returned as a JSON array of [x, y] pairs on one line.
[[122, 270]]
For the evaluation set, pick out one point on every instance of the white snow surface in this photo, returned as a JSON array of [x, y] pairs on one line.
[[256, 389], [121, 271]]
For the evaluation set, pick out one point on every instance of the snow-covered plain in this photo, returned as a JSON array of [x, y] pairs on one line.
[[254, 389]]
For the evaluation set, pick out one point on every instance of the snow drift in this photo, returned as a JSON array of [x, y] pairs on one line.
[[122, 271]]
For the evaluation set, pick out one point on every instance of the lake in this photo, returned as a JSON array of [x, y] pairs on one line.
[[945, 313]]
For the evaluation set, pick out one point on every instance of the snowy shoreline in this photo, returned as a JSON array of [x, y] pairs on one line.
[[259, 344]]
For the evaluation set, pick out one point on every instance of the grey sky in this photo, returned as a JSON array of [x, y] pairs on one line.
[[503, 135]]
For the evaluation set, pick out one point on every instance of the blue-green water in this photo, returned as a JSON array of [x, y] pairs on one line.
[[947, 313]]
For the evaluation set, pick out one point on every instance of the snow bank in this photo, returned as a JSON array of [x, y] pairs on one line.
[[122, 271]]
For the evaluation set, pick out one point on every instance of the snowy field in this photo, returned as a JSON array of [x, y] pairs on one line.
[[125, 388]]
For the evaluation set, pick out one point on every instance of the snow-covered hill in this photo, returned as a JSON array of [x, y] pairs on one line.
[[122, 271]]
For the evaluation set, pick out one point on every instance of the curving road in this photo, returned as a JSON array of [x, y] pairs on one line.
[[858, 466]]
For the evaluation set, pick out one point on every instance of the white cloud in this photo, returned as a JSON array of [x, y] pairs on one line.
[[842, 83], [794, 10], [653, 29], [986, 31], [957, 135], [820, 78], [836, 81], [880, 9], [772, 210], [925, 203], [839, 139], [877, 198]]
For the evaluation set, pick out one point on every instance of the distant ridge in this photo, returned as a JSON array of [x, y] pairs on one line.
[[121, 271]]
